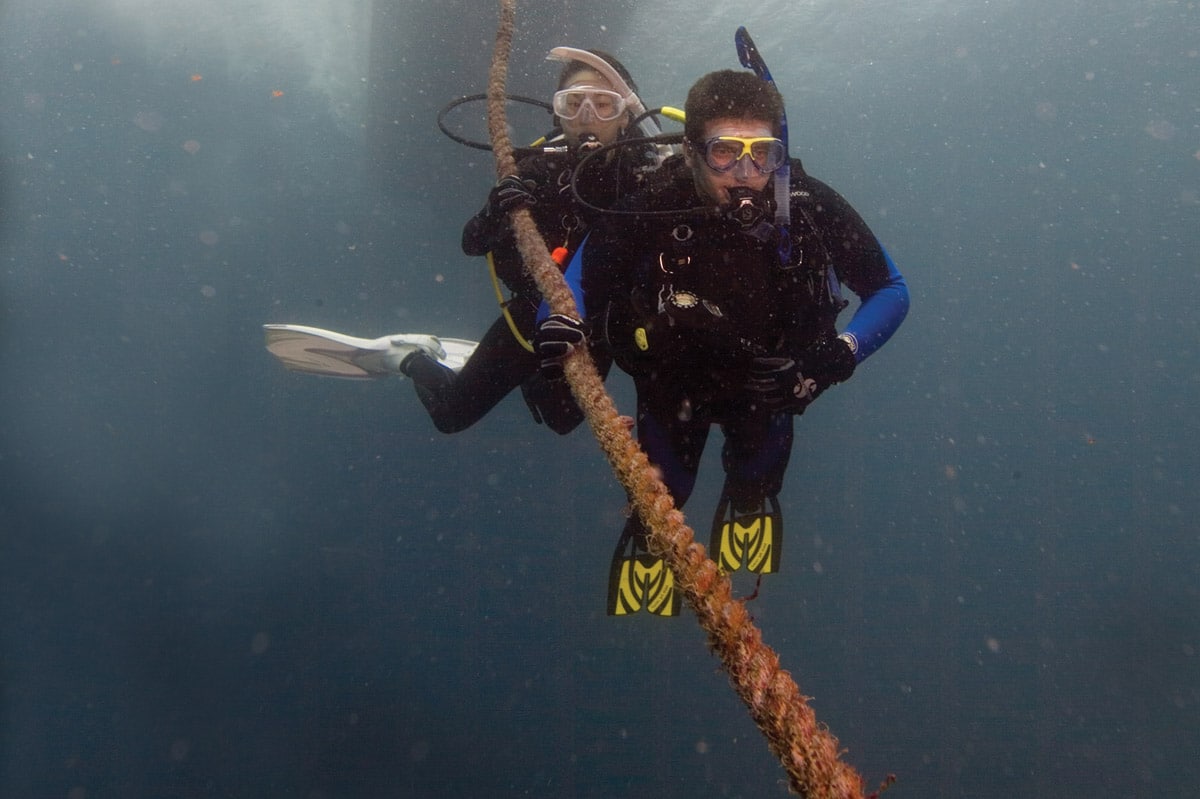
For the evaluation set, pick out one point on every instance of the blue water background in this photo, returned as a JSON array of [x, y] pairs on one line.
[[222, 579]]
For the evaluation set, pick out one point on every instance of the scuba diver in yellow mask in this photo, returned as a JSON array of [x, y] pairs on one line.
[[717, 288]]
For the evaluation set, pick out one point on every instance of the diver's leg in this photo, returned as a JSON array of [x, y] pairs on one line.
[[748, 526], [551, 401], [756, 454], [638, 580], [498, 365], [672, 444]]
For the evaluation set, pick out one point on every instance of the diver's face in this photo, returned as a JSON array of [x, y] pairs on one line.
[[713, 185], [606, 132]]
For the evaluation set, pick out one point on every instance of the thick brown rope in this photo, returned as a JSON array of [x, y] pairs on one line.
[[808, 751]]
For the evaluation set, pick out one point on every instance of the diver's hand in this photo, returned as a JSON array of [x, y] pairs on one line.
[[829, 360], [778, 384], [489, 227], [510, 193], [789, 385], [556, 337]]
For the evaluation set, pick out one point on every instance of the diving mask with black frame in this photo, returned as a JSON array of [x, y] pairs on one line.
[[724, 153]]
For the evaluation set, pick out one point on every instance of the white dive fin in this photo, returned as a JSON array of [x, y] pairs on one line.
[[324, 352]]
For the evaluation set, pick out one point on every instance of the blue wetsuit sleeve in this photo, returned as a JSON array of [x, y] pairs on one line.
[[881, 312], [574, 278]]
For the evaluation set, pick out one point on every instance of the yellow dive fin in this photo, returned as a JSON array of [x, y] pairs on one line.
[[638, 580], [750, 537]]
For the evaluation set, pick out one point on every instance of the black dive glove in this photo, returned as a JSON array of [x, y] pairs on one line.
[[829, 361], [488, 228], [789, 385], [511, 192], [556, 337]]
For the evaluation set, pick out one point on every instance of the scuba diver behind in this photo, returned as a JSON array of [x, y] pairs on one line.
[[596, 104], [717, 288], [459, 381]]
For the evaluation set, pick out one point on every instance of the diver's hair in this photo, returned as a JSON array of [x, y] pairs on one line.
[[573, 67], [731, 94]]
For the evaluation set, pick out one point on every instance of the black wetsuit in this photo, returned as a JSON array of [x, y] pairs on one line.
[[501, 363], [686, 303]]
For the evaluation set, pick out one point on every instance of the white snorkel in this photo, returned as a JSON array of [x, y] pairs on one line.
[[648, 125]]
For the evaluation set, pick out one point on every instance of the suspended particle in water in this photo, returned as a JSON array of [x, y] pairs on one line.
[[260, 643], [149, 121], [179, 750], [1160, 129]]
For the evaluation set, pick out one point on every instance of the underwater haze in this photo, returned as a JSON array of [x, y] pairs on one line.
[[219, 578]]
